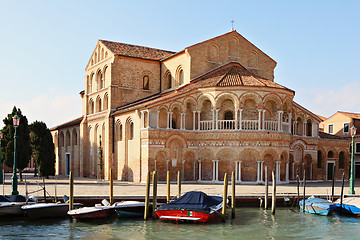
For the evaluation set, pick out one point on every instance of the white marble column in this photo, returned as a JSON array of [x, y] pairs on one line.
[[259, 127], [239, 171], [277, 170], [236, 119], [157, 118], [199, 170], [290, 116], [194, 171], [262, 171], [258, 171], [168, 120], [213, 119], [287, 172], [148, 119], [142, 114], [199, 112], [194, 117], [217, 170], [171, 113], [181, 120], [155, 165], [240, 119], [280, 120], [263, 119], [214, 170]]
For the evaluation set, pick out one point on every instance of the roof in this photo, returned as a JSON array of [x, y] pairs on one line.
[[329, 136], [321, 117], [228, 75], [129, 50], [351, 115], [74, 122]]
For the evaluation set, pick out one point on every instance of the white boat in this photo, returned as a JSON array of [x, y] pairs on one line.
[[48, 210], [11, 205], [350, 205], [102, 210]]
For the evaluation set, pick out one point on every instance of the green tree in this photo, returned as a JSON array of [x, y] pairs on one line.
[[23, 141], [43, 148]]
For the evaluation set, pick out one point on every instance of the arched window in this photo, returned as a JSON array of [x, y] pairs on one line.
[[146, 82], [74, 137], [330, 154], [181, 76], [67, 141], [131, 137], [102, 54], [169, 80], [341, 160], [229, 115], [319, 156]]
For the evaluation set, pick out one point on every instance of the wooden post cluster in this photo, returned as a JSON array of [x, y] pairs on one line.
[[111, 186], [225, 197], [233, 195], [168, 186], [71, 191], [273, 203], [147, 193], [179, 183], [266, 187], [154, 194]]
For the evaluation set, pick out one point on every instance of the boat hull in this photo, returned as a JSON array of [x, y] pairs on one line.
[[49, 210], [187, 216], [11, 209], [130, 209], [102, 213]]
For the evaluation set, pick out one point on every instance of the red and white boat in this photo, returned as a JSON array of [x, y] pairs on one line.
[[102, 210], [193, 206]]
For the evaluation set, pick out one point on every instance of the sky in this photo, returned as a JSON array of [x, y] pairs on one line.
[[46, 45]]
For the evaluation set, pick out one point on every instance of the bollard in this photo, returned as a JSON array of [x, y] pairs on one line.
[[154, 194], [342, 192], [304, 185], [146, 211], [273, 203], [233, 195], [225, 197], [168, 186], [71, 190], [179, 184], [266, 187], [111, 186]]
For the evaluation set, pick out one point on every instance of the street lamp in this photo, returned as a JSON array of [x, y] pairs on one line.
[[1, 171], [353, 132], [16, 122]]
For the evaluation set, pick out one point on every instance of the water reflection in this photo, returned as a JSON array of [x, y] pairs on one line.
[[250, 223]]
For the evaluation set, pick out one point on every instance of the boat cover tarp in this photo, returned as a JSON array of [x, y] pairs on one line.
[[192, 201], [3, 199]]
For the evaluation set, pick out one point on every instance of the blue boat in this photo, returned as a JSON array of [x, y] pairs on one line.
[[350, 206], [318, 206]]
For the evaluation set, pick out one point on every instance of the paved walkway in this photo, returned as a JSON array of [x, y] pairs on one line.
[[91, 187]]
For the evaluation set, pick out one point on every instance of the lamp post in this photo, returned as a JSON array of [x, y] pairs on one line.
[[353, 132], [1, 171], [14, 191]]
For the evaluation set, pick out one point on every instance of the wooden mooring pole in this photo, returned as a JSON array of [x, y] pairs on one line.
[[168, 186], [342, 192], [333, 184], [304, 186], [179, 183], [111, 186], [44, 189], [266, 187], [298, 189], [233, 195], [154, 194], [71, 191], [147, 193], [273, 203], [225, 198]]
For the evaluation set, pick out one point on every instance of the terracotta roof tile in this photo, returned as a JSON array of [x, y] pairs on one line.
[[352, 115], [129, 50], [74, 122]]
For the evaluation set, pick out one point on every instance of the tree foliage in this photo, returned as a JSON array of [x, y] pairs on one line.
[[23, 141], [43, 147]]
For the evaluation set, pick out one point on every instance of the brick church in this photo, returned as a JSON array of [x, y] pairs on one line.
[[211, 108]]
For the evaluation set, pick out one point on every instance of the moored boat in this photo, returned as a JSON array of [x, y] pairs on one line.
[[317, 206], [129, 208], [193, 206], [48, 210], [350, 206], [11, 205], [102, 210]]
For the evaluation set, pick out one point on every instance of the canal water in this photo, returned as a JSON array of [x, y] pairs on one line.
[[250, 223]]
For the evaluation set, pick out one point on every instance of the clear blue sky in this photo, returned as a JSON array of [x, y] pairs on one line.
[[45, 46]]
